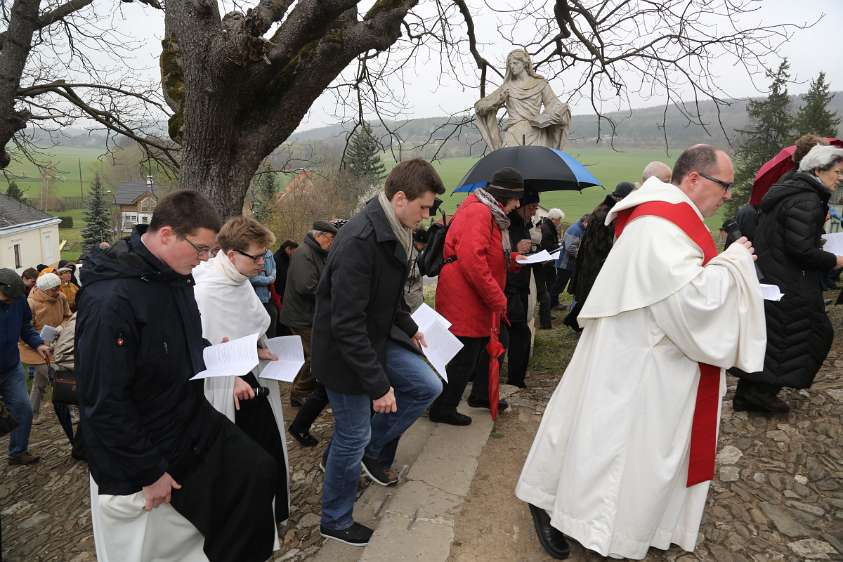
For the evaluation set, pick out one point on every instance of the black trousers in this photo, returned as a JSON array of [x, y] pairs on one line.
[[468, 364], [545, 276], [747, 388], [272, 310], [310, 410], [228, 498], [516, 338]]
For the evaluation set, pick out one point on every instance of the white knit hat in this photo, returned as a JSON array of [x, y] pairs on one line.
[[47, 281], [819, 157]]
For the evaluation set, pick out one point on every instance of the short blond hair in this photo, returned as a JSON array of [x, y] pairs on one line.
[[238, 232]]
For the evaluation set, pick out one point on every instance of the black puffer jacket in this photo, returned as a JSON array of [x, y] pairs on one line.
[[594, 249], [788, 244]]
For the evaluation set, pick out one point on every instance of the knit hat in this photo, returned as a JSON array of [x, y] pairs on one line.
[[48, 281], [324, 226], [623, 189], [507, 183], [11, 284], [530, 197]]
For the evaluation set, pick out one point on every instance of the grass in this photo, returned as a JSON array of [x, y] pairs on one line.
[[66, 161], [73, 236]]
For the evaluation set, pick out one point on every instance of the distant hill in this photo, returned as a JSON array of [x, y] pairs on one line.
[[639, 127]]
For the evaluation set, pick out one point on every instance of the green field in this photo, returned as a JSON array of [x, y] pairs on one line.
[[65, 162]]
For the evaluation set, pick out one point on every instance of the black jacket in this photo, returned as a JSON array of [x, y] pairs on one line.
[[282, 265], [358, 300], [138, 341], [597, 241], [550, 236], [788, 243], [517, 288], [306, 267]]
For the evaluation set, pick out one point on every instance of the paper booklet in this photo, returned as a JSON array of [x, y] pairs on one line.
[[49, 334], [538, 257], [442, 345], [771, 292], [290, 355], [234, 358]]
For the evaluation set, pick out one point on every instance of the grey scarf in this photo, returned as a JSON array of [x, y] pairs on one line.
[[499, 217], [402, 233]]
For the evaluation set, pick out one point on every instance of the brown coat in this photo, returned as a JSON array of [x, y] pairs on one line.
[[69, 291], [46, 311]]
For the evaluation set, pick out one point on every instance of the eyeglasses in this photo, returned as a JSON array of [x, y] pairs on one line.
[[211, 252], [724, 184], [258, 258]]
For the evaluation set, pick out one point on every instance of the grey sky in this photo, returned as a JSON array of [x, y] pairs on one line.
[[809, 51]]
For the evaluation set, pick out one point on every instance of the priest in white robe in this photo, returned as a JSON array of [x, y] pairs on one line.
[[624, 455]]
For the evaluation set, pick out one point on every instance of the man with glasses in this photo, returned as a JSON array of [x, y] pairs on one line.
[[303, 276], [156, 448], [664, 318]]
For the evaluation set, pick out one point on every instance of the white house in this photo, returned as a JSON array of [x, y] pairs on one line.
[[135, 203], [27, 236]]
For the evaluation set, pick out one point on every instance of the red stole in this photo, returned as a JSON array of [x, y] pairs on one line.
[[704, 425]]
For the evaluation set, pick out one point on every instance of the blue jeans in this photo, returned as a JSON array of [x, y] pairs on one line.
[[13, 389], [358, 433]]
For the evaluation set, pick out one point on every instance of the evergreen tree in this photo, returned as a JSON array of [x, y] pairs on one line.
[[363, 157], [263, 194], [814, 116], [14, 191], [771, 129], [97, 216]]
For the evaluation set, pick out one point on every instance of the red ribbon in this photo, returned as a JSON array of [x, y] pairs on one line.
[[704, 424]]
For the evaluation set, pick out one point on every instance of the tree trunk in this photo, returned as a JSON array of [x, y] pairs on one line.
[[16, 46]]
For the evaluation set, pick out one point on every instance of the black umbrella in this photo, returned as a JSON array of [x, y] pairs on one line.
[[543, 169]]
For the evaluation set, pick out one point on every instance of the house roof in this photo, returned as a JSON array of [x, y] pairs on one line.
[[128, 193], [15, 213]]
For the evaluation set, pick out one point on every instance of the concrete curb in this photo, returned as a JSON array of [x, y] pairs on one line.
[[415, 520]]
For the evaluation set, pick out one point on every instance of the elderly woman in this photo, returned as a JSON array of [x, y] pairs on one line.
[[790, 255], [470, 292], [49, 308], [231, 309]]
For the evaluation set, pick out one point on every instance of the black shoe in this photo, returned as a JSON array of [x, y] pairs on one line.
[[304, 438], [23, 459], [502, 404], [760, 403], [572, 324], [519, 384], [295, 402], [451, 418], [356, 535], [78, 453], [377, 473], [551, 539]]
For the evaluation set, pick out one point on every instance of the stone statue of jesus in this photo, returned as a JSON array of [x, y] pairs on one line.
[[535, 116]]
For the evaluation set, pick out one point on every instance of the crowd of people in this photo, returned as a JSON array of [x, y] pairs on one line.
[[184, 469]]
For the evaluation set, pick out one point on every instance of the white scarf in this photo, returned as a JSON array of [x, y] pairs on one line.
[[402, 233]]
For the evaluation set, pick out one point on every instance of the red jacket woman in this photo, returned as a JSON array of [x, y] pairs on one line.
[[470, 288]]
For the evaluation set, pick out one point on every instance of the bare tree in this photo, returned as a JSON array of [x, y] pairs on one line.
[[60, 61], [239, 79]]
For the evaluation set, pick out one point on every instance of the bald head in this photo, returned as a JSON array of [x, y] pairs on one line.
[[705, 174], [658, 169]]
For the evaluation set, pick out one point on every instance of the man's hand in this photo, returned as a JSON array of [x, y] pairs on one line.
[[839, 262], [419, 340], [743, 241], [242, 391], [524, 246], [386, 404], [265, 354], [45, 353], [160, 491]]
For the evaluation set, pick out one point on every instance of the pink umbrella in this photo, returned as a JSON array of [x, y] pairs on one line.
[[775, 168]]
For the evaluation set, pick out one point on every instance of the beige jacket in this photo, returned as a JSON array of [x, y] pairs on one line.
[[46, 311]]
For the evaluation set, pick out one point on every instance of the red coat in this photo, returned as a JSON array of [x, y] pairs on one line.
[[471, 288]]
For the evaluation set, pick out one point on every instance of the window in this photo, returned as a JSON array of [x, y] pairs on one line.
[[17, 256]]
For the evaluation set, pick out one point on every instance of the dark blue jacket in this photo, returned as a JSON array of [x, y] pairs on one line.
[[15, 324]]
